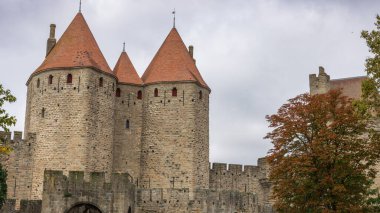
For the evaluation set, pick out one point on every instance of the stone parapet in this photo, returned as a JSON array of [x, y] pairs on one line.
[[63, 192]]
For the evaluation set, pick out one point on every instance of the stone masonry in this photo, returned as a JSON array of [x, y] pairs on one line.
[[73, 123]]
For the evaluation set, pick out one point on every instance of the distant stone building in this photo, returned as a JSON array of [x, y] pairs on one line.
[[102, 140], [351, 87]]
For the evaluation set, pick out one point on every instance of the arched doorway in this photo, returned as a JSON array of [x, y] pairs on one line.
[[84, 208]]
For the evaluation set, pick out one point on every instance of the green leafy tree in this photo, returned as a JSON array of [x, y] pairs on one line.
[[5, 122], [5, 119], [371, 87], [323, 159], [370, 102]]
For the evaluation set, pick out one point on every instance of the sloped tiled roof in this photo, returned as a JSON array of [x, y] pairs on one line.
[[125, 71], [173, 63], [77, 47]]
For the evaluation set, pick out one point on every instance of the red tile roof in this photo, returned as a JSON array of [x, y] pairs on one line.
[[125, 71], [77, 47], [173, 63]]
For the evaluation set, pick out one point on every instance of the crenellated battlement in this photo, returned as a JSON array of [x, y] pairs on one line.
[[319, 84], [18, 145], [239, 169], [74, 188], [206, 200], [56, 181], [17, 136], [242, 179]]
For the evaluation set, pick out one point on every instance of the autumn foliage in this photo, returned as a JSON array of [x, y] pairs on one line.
[[323, 155]]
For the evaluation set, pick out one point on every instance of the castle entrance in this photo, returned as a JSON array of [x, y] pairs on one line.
[[84, 208]]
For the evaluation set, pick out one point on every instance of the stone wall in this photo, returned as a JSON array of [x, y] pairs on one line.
[[62, 192], [206, 201], [174, 140], [73, 122], [18, 165], [127, 144], [26, 206], [201, 143], [247, 179]]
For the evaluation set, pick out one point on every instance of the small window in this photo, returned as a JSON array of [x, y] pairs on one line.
[[200, 94], [174, 92], [50, 79], [69, 79], [100, 82], [38, 83], [129, 210], [113, 87], [139, 95], [118, 92], [156, 92], [43, 112], [127, 124]]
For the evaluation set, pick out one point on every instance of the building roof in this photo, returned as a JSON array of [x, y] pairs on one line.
[[77, 47], [173, 63], [125, 71]]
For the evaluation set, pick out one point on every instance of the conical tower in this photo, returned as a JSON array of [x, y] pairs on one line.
[[70, 106], [175, 139], [128, 118]]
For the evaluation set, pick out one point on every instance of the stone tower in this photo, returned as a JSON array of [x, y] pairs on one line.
[[70, 107], [175, 148], [128, 118], [319, 84]]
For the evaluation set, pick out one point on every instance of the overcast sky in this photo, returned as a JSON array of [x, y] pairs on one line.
[[254, 55]]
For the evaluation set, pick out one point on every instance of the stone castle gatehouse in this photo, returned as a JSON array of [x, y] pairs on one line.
[[103, 140]]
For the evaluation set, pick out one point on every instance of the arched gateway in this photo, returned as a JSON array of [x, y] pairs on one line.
[[84, 208]]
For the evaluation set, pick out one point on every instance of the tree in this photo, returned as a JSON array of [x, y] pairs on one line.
[[371, 87], [370, 101], [5, 119], [323, 157], [5, 122]]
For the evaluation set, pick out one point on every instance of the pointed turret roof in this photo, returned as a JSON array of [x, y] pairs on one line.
[[77, 47], [125, 71], [173, 63]]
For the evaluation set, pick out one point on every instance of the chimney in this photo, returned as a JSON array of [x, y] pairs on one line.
[[321, 70], [51, 40], [191, 52]]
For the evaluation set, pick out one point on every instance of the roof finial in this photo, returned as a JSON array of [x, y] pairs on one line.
[[124, 47], [80, 6], [173, 18]]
